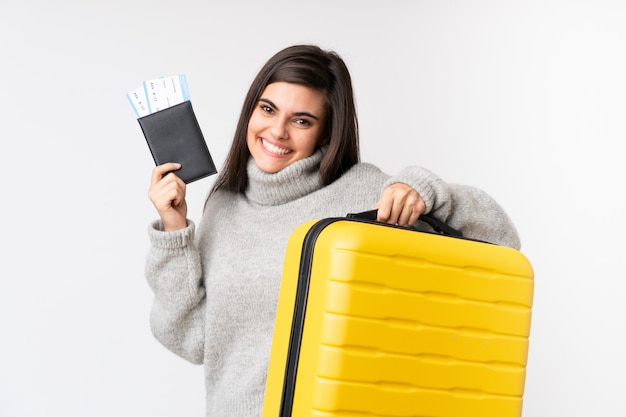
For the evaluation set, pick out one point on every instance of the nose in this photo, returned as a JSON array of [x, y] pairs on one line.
[[279, 129]]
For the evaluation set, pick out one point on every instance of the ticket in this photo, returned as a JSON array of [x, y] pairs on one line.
[[158, 94], [139, 101], [166, 92]]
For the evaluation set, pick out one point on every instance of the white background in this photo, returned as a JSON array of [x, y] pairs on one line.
[[525, 99]]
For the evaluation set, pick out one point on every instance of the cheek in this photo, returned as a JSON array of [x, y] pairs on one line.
[[251, 125], [256, 120], [253, 129], [310, 144], [319, 139], [250, 142]]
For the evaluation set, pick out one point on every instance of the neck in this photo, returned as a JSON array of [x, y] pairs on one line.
[[295, 181]]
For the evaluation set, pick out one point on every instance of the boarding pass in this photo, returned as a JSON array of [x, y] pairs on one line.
[[158, 94]]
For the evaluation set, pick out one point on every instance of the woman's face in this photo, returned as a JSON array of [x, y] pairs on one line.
[[286, 125]]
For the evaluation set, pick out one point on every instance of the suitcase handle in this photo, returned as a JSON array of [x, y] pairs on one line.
[[438, 226]]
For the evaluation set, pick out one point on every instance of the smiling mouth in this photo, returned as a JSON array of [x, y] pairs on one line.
[[274, 149]]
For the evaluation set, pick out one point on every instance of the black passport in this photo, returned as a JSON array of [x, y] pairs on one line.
[[173, 135]]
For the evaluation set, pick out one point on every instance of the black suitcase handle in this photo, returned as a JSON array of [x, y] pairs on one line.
[[437, 225]]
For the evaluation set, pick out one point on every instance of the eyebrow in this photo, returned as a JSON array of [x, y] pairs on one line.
[[300, 113]]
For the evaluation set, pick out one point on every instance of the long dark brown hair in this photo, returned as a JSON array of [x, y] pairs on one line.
[[312, 67]]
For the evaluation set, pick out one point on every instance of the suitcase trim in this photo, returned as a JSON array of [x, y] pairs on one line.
[[297, 325]]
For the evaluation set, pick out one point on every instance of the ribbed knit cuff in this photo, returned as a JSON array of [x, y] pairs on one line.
[[170, 240]]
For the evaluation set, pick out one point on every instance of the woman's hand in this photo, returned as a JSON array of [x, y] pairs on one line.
[[167, 193], [400, 204]]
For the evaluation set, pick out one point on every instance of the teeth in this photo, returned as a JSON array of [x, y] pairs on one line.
[[274, 149]]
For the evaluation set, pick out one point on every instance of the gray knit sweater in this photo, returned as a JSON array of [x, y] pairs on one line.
[[216, 285]]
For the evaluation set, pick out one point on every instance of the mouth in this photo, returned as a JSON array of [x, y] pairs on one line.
[[273, 149]]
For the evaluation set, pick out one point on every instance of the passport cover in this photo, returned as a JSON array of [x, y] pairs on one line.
[[173, 135]]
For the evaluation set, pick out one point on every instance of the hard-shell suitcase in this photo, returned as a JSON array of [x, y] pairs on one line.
[[377, 320]]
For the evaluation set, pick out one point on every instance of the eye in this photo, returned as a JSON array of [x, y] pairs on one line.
[[266, 109], [302, 122]]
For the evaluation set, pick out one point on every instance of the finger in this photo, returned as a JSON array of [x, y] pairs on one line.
[[412, 209], [160, 170], [398, 212], [419, 210], [160, 181], [404, 218], [171, 207], [384, 207], [172, 194], [414, 206], [169, 192], [400, 204], [390, 204]]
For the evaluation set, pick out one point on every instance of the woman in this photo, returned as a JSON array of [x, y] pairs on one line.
[[294, 158]]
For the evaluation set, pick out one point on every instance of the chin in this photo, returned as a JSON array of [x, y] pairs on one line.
[[270, 168]]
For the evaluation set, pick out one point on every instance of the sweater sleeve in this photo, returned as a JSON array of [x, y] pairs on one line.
[[466, 208], [174, 272]]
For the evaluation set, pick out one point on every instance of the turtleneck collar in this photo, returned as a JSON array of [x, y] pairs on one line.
[[295, 181]]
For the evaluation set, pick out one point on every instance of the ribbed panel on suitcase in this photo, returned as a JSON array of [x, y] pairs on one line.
[[399, 323]]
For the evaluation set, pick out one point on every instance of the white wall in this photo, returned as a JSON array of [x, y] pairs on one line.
[[525, 99]]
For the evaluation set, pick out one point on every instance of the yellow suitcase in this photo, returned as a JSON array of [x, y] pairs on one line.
[[376, 320]]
